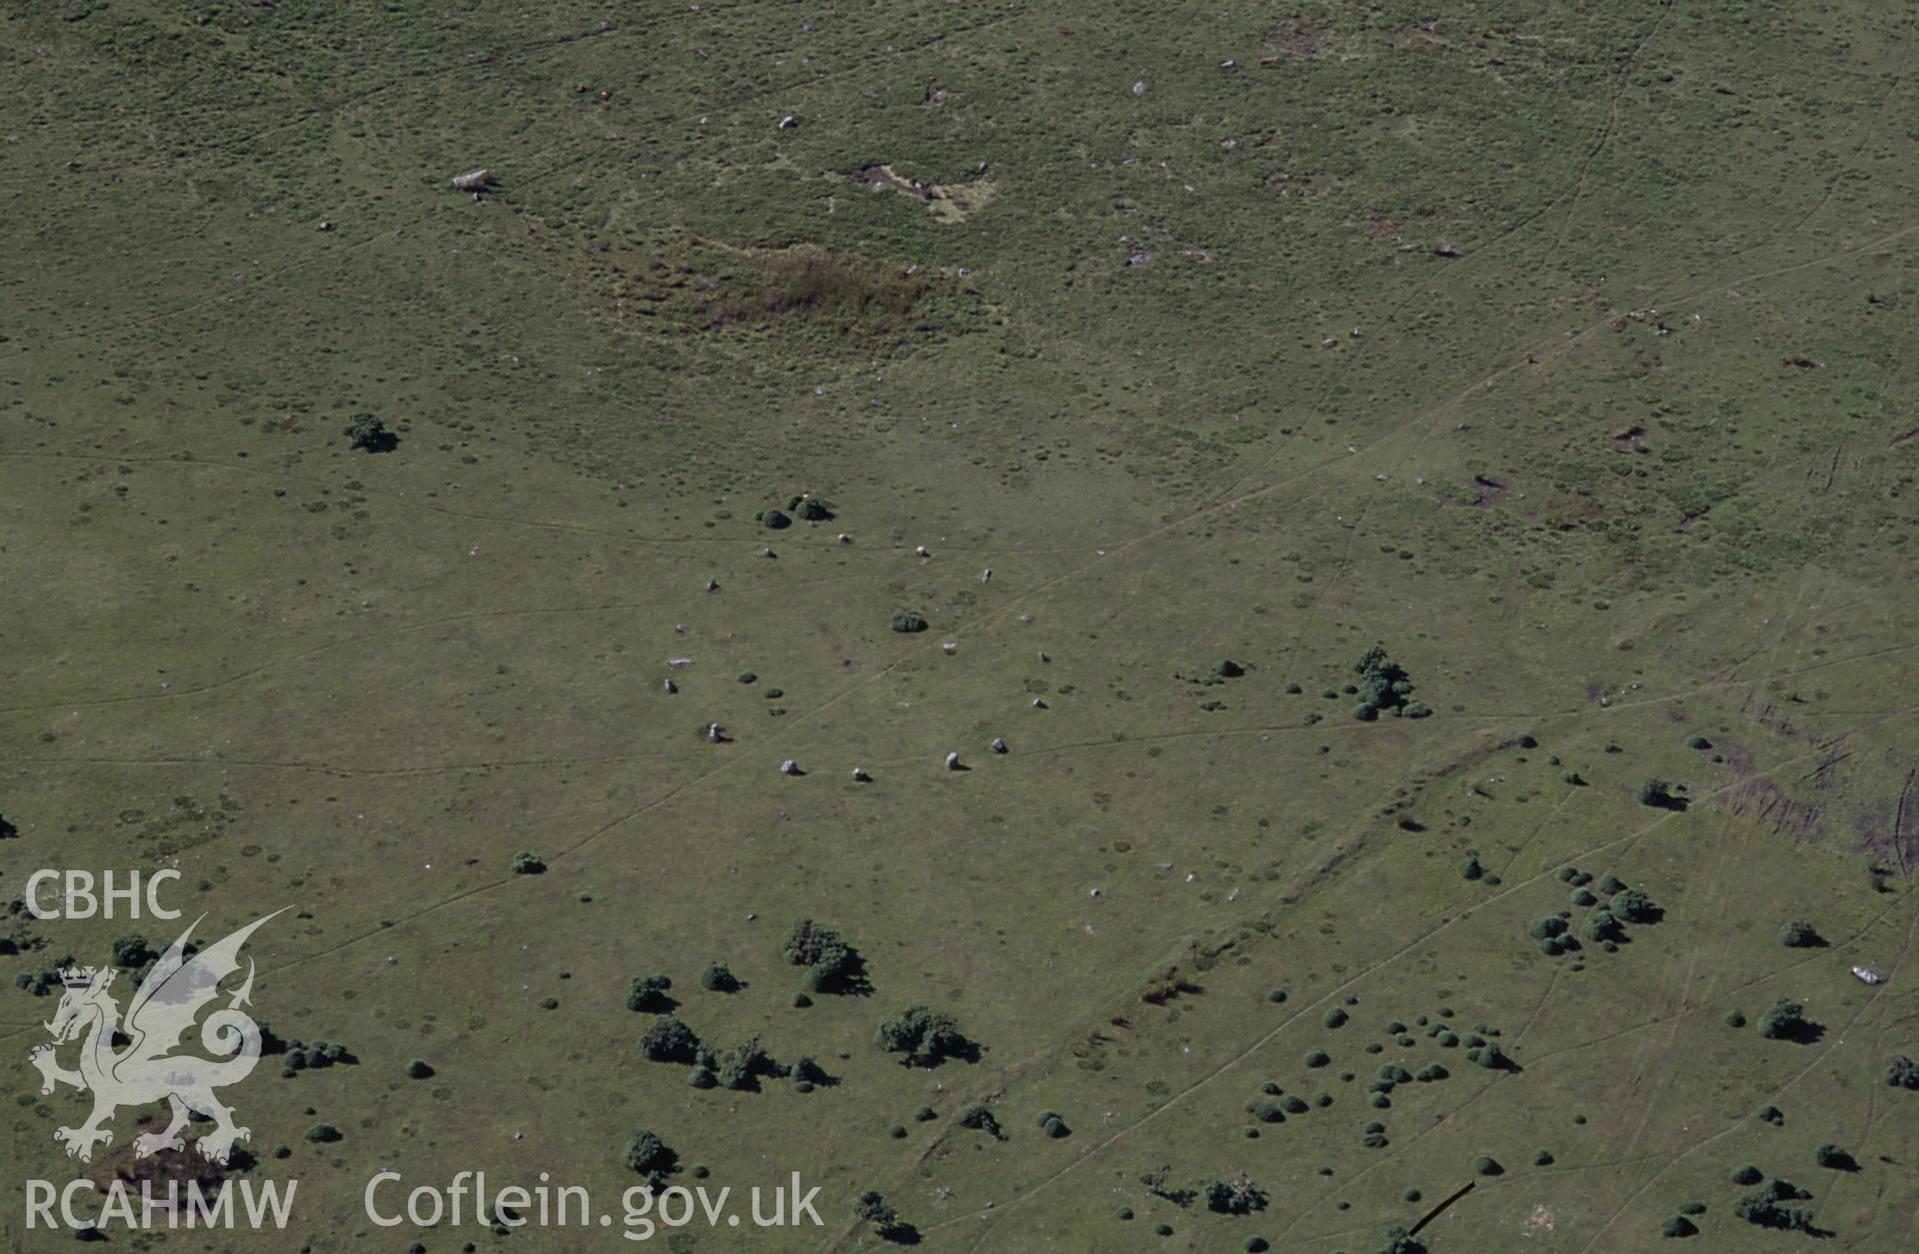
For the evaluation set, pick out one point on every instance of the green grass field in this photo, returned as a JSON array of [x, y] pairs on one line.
[[1566, 352]]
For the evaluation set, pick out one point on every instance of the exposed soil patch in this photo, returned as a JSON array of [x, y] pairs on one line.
[[835, 300], [1490, 492], [1764, 801], [885, 176], [178, 1166], [1309, 183], [950, 202], [1296, 38]]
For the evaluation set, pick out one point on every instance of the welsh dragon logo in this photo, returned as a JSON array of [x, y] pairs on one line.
[[164, 1007]]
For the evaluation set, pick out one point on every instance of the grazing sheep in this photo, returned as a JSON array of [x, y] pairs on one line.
[[1038, 704], [715, 733], [861, 775], [952, 762], [999, 745], [950, 647], [922, 551], [473, 180], [712, 585], [789, 767], [669, 685], [845, 539]]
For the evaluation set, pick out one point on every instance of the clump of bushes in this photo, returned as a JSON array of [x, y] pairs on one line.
[[906, 622], [132, 951], [303, 1057], [717, 977], [832, 965], [1785, 1020], [979, 1118], [648, 994], [1601, 926], [809, 508], [871, 1207], [1766, 1208], [369, 434], [1236, 1195], [923, 1036], [669, 1040], [648, 1155], [1384, 686], [1799, 934], [741, 1067], [1633, 905], [1832, 1158], [1658, 793]]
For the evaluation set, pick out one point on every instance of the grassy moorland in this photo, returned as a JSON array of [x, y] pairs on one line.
[[1565, 352]]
